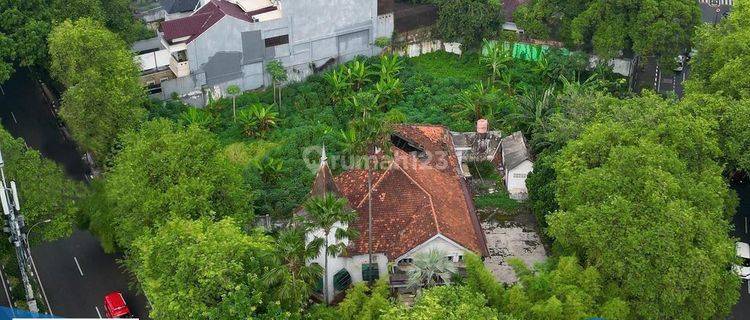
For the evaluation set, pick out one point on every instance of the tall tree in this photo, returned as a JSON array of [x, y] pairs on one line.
[[104, 96], [201, 269], [331, 216], [291, 280], [469, 21], [167, 171], [44, 190], [624, 203]]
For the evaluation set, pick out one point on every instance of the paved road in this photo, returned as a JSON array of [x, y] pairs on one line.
[[742, 231], [77, 274], [709, 13], [652, 76], [25, 113]]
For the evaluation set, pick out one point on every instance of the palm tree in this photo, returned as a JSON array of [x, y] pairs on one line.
[[332, 216], [429, 268], [477, 101], [533, 113], [233, 91], [257, 119], [278, 75], [292, 279]]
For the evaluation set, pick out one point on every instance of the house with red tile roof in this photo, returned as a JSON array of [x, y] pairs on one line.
[[229, 42], [420, 202]]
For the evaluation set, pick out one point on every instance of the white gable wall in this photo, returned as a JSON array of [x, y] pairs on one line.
[[515, 180]]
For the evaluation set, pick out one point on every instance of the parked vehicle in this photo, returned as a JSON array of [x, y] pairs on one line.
[[115, 306], [680, 60], [743, 252]]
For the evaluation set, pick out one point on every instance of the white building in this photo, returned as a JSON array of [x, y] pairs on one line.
[[517, 165], [419, 203]]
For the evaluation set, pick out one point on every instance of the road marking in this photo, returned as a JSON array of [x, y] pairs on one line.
[[78, 265], [14, 117], [97, 312]]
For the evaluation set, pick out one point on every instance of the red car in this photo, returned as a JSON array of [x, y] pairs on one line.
[[115, 306]]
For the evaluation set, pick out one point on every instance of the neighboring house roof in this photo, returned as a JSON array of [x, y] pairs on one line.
[[412, 200], [177, 6], [203, 19], [515, 151], [145, 46]]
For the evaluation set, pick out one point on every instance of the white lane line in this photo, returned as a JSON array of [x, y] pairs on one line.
[[14, 117], [78, 265], [97, 312]]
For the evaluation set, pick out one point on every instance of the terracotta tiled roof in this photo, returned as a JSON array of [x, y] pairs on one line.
[[205, 17], [413, 200]]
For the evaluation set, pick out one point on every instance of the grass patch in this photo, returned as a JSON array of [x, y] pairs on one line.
[[484, 169], [441, 64], [499, 200]]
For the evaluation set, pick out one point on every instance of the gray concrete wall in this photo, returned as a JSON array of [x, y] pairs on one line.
[[233, 51]]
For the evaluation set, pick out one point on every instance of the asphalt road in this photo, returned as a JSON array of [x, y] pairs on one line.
[[742, 231], [25, 113], [77, 274]]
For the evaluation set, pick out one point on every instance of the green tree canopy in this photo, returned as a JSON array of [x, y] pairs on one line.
[[630, 206], [44, 190], [104, 96], [167, 171], [658, 28], [469, 21], [201, 269]]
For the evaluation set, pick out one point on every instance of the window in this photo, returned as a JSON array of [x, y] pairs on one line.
[[370, 272], [342, 280], [450, 258], [460, 258], [277, 41], [519, 175], [405, 261]]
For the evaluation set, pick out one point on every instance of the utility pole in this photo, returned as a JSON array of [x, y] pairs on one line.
[[11, 210]]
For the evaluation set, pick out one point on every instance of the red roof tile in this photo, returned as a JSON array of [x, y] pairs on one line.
[[208, 15], [413, 200]]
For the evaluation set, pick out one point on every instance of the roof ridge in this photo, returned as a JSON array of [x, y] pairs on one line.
[[429, 196], [367, 194]]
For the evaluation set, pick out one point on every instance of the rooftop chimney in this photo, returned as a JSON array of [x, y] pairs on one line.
[[482, 126]]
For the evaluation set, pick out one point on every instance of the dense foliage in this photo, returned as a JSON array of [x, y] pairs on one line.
[[104, 95], [201, 269], [648, 28], [165, 171], [44, 190], [25, 26]]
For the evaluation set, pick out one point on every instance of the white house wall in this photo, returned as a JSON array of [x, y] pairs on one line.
[[517, 186], [439, 242]]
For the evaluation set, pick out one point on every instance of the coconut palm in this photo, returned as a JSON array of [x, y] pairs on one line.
[[477, 102], [292, 279], [533, 113], [429, 268], [332, 216]]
